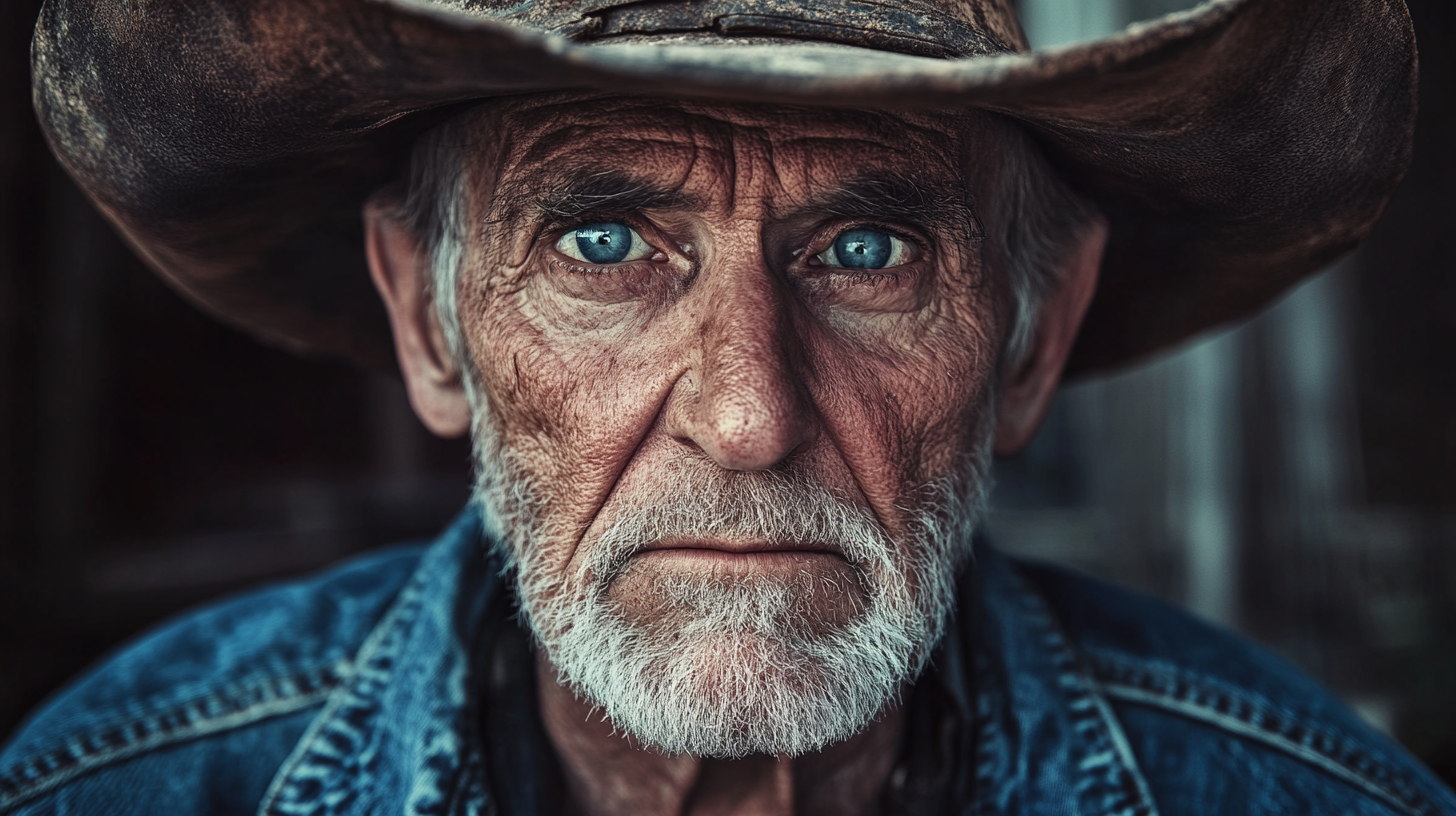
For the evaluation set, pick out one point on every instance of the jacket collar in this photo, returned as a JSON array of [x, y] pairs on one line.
[[1048, 741], [1008, 719], [400, 735]]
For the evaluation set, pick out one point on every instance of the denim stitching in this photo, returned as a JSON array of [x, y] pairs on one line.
[[990, 751], [234, 706], [1235, 714], [333, 739], [1125, 791]]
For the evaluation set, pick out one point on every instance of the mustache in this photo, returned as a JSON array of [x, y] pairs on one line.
[[783, 505]]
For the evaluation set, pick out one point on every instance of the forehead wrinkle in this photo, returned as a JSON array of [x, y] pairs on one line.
[[818, 148], [567, 142], [755, 149], [642, 114], [561, 127], [605, 169], [550, 135], [597, 106]]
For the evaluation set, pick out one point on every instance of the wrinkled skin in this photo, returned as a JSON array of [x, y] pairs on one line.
[[731, 344]]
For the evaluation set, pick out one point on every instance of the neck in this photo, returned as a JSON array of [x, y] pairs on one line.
[[608, 773]]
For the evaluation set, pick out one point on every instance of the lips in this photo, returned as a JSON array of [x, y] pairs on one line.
[[810, 584], [741, 547]]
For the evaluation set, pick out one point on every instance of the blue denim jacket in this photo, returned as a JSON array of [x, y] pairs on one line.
[[401, 684]]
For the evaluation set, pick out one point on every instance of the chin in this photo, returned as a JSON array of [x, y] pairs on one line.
[[727, 667], [700, 689]]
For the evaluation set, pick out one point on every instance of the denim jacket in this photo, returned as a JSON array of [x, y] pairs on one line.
[[401, 684]]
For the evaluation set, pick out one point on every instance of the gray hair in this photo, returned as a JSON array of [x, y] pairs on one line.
[[1040, 218], [433, 205]]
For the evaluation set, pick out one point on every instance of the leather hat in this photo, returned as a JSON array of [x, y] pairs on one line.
[[1235, 147]]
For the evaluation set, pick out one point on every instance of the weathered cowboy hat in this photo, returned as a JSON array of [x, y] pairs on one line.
[[1236, 147]]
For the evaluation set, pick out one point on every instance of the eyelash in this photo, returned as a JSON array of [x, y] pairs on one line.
[[605, 269], [874, 278]]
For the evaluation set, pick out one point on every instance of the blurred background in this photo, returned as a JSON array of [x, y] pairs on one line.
[[1293, 478]]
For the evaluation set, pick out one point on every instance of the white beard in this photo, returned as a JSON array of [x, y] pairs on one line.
[[738, 666]]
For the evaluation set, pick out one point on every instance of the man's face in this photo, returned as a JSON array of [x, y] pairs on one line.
[[738, 363]]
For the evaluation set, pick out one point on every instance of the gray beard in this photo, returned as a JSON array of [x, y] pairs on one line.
[[737, 666]]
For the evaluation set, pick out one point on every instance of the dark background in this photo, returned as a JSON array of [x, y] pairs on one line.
[[151, 458]]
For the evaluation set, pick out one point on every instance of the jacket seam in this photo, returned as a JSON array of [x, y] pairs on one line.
[[1093, 719], [235, 706], [1239, 715], [355, 693]]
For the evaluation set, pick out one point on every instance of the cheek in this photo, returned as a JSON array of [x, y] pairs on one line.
[[903, 404], [571, 400]]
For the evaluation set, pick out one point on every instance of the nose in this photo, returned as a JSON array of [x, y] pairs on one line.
[[744, 403]]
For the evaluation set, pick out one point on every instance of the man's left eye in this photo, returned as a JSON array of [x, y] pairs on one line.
[[866, 249], [609, 242]]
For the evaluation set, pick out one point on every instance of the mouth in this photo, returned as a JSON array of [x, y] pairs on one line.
[[818, 573], [707, 546], [750, 555]]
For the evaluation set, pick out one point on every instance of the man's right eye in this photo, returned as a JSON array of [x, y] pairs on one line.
[[608, 242]]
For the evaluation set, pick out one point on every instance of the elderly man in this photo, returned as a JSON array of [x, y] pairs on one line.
[[735, 368]]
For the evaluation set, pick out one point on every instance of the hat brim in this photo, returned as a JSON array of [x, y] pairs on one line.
[[1235, 148]]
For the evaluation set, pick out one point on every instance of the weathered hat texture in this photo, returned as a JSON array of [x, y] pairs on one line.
[[1235, 148]]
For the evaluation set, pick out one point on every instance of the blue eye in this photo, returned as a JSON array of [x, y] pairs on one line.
[[605, 243], [865, 249]]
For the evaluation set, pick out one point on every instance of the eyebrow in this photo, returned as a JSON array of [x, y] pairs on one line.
[[567, 196], [900, 199]]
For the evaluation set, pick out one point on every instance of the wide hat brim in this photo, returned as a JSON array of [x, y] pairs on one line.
[[1235, 148]]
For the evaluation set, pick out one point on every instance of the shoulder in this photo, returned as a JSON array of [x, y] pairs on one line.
[[220, 694], [1215, 720]]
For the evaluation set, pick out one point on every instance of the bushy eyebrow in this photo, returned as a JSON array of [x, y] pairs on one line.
[[898, 199], [567, 196]]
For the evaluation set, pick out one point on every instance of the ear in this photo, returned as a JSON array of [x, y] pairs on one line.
[[1028, 388], [401, 272]]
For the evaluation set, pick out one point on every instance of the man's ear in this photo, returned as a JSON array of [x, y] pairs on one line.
[[1027, 387], [401, 271]]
